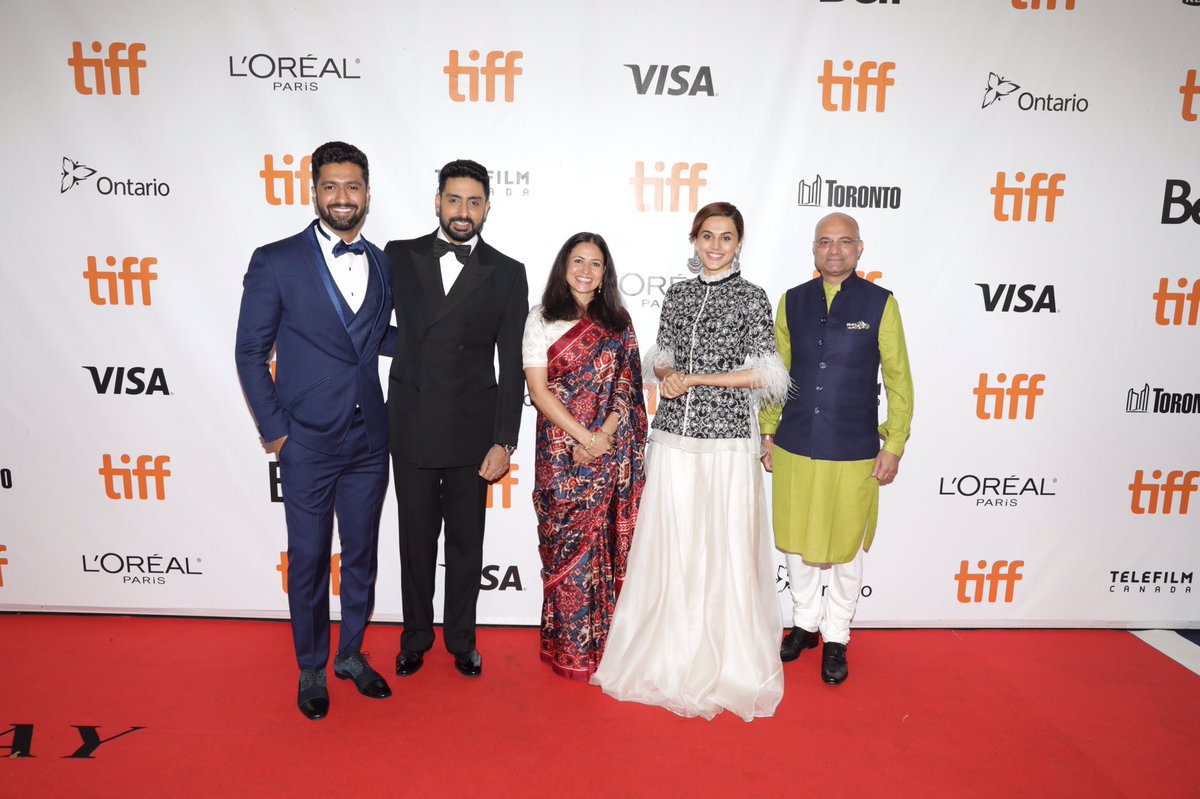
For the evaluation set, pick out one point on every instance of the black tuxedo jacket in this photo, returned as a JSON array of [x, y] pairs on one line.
[[446, 403]]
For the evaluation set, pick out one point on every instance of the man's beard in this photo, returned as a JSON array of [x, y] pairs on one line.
[[351, 222], [458, 236]]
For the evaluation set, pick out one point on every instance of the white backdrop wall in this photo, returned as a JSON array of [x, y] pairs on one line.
[[167, 138]]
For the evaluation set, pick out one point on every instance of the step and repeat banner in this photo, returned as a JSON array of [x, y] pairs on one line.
[[1026, 175]]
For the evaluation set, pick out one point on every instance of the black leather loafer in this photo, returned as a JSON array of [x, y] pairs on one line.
[[797, 640]]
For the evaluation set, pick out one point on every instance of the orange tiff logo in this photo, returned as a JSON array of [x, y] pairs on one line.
[[1178, 484], [506, 484], [1026, 388], [1037, 190], [1003, 572], [1189, 90], [103, 285], [118, 480], [499, 65], [335, 572], [122, 58], [1050, 5], [1169, 306], [682, 175], [870, 277], [871, 75], [284, 185], [3, 563]]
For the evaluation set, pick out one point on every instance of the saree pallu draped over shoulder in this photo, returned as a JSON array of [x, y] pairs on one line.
[[587, 513]]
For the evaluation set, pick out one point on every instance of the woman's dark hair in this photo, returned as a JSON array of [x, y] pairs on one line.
[[718, 209], [605, 309]]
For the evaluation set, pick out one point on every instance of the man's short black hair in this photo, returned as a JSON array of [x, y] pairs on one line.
[[338, 152], [463, 168]]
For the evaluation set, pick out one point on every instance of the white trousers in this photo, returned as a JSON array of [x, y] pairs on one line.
[[830, 614]]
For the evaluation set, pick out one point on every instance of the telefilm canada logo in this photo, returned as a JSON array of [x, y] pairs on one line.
[[294, 73], [999, 88], [506, 182], [1149, 581], [829, 193], [75, 173]]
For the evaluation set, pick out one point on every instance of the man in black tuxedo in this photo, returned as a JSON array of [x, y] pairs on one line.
[[460, 308]]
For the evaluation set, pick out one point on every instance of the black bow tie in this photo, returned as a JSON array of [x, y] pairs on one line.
[[461, 251], [341, 248]]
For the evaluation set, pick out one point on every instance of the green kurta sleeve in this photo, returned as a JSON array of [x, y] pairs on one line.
[[897, 379], [768, 416]]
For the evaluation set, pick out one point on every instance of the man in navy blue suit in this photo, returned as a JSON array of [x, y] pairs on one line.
[[322, 300]]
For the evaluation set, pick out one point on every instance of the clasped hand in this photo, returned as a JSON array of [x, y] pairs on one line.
[[674, 385], [598, 446]]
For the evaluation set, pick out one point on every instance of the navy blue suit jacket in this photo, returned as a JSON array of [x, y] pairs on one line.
[[319, 375]]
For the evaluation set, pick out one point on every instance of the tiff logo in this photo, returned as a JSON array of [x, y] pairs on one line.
[[1178, 483], [871, 74], [1050, 5], [148, 467], [490, 71], [1169, 306], [675, 181], [1002, 572], [1189, 90], [335, 572], [1037, 189], [294, 183], [122, 57], [1024, 387], [3, 563], [133, 270], [506, 484]]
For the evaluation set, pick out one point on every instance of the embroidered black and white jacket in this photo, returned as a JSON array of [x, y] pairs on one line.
[[709, 328]]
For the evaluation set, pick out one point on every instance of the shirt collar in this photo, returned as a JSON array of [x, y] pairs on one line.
[[327, 238]]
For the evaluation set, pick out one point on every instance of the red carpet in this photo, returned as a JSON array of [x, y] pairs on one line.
[[924, 713]]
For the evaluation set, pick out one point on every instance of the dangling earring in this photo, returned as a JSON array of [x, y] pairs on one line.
[[693, 264], [737, 261], [600, 289]]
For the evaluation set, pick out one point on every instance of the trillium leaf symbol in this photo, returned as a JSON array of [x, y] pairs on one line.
[[73, 173], [997, 87]]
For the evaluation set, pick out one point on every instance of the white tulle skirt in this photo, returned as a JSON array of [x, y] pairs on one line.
[[697, 624]]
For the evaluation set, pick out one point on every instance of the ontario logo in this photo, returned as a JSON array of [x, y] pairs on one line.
[[76, 172], [999, 87]]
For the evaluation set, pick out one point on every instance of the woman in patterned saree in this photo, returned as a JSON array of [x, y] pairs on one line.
[[585, 379], [697, 628]]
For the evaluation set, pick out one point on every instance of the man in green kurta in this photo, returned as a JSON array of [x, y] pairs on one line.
[[834, 334]]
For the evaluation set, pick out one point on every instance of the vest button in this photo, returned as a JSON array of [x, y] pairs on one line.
[[821, 365], [822, 320], [460, 346], [817, 409], [818, 388], [820, 342]]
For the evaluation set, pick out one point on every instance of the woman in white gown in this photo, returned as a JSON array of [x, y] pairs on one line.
[[697, 624]]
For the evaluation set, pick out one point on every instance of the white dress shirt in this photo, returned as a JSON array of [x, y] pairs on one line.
[[449, 262], [349, 270]]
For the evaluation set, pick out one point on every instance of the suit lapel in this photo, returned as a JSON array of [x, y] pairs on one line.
[[323, 282], [478, 268]]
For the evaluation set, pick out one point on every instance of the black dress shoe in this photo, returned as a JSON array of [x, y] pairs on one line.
[[469, 664], [833, 663], [354, 665], [795, 641], [313, 697], [409, 662]]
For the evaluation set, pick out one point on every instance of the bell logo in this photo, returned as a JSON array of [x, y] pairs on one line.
[[118, 481], [1189, 90], [1024, 387], [1002, 572], [1001, 298], [3, 563], [1178, 483], [675, 180], [133, 270], [122, 57], [490, 71], [1037, 189], [1049, 5], [870, 277], [683, 84], [870, 74], [293, 183], [1169, 306], [335, 572], [506, 484], [1176, 193]]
